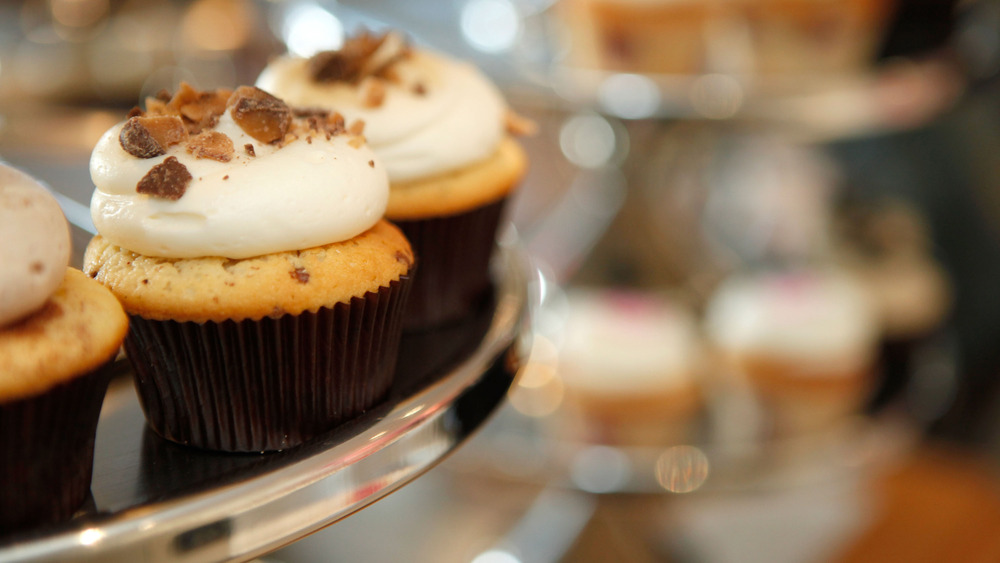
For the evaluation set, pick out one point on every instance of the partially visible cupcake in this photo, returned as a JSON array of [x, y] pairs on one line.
[[248, 247], [631, 365], [690, 37], [439, 127], [58, 329], [806, 340], [885, 244]]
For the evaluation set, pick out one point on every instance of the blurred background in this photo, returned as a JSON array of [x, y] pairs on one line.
[[766, 239]]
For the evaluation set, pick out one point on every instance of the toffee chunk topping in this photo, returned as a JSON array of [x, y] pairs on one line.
[[167, 180], [137, 140], [261, 115]]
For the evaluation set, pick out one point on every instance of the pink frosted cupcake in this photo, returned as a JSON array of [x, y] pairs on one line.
[[805, 340]]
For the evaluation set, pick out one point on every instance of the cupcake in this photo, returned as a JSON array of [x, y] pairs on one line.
[[630, 364], [885, 244], [58, 329], [805, 340], [439, 127], [689, 37], [247, 245]]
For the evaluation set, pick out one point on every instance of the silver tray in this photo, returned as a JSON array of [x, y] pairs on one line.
[[156, 501]]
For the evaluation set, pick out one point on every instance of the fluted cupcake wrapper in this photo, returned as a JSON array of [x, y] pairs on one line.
[[454, 256], [47, 451], [271, 384]]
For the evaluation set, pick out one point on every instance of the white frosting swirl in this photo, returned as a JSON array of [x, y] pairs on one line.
[[34, 245], [458, 120], [292, 197], [816, 318]]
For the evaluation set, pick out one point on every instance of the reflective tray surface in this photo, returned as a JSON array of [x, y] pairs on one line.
[[155, 501]]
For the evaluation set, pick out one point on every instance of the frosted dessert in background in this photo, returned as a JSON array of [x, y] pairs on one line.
[[887, 246], [689, 37], [442, 130], [805, 340], [58, 329], [248, 232], [631, 364]]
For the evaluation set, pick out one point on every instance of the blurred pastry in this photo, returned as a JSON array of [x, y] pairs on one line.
[[805, 340], [630, 363], [689, 37]]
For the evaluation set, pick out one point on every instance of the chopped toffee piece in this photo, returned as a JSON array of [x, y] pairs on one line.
[[519, 125], [361, 56], [138, 141], [356, 142], [261, 115], [213, 145], [249, 148], [371, 163], [300, 275], [372, 92], [134, 112], [310, 112], [167, 180], [336, 124], [357, 128], [198, 110], [419, 89], [206, 107], [168, 130]]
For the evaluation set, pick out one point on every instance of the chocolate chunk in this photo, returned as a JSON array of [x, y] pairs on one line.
[[167, 180], [213, 145], [137, 141], [300, 275], [261, 115]]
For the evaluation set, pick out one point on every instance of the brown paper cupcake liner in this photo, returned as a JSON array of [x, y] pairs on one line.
[[255, 386], [47, 451], [454, 256]]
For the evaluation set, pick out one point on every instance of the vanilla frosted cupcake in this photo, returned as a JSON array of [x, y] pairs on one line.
[[439, 127], [248, 247], [631, 364], [58, 329], [806, 340]]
